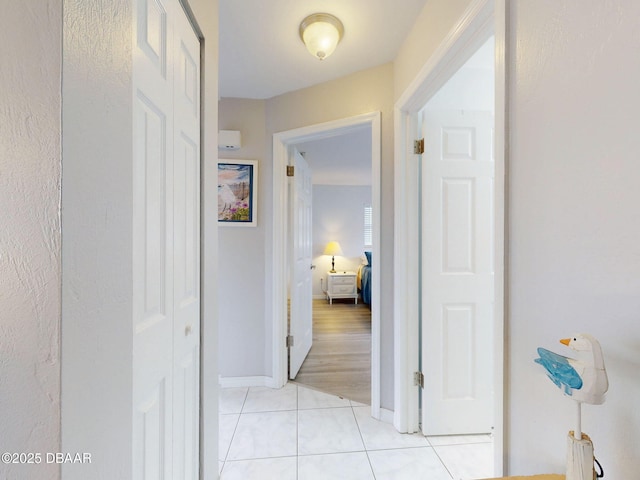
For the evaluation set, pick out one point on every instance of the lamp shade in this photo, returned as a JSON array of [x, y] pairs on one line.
[[333, 248], [321, 33]]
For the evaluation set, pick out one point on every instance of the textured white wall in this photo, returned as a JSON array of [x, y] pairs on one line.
[[338, 214], [97, 199], [574, 223], [30, 151]]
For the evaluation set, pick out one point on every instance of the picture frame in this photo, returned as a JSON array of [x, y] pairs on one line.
[[237, 193]]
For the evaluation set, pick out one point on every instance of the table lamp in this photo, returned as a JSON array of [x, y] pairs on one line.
[[333, 248]]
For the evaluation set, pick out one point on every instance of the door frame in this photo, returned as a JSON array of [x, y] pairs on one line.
[[281, 143], [482, 19]]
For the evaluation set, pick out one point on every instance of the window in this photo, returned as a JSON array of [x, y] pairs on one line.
[[368, 227]]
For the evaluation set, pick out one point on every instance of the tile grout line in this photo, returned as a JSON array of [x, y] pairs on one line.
[[235, 429], [439, 458], [433, 447], [364, 445]]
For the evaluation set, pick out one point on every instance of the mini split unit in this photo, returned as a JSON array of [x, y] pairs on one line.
[[228, 140]]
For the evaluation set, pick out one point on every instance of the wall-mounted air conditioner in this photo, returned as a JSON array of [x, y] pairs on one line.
[[228, 140]]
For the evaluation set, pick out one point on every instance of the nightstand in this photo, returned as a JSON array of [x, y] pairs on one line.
[[341, 285]]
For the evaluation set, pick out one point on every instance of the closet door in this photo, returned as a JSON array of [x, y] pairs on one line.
[[186, 247], [165, 242]]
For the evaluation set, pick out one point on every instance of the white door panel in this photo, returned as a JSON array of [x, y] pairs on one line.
[[457, 272], [301, 325], [153, 243], [186, 254], [166, 247], [186, 418]]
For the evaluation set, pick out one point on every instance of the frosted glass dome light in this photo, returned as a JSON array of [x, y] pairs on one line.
[[321, 33]]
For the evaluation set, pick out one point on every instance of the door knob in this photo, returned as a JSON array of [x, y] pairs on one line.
[[313, 267]]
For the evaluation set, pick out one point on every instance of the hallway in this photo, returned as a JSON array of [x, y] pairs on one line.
[[297, 433]]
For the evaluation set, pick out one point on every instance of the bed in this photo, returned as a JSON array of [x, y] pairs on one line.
[[363, 279]]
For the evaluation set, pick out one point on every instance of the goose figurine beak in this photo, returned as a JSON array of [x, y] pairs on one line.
[[565, 341]]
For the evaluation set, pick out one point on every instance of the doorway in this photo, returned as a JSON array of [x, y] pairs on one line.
[[457, 251], [482, 19], [339, 361], [282, 143]]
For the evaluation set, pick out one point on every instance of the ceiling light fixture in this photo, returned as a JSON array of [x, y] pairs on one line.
[[321, 33]]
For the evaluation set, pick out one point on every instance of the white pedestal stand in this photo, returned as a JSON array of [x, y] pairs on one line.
[[580, 460]]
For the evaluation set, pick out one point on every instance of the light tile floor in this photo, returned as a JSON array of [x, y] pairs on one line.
[[296, 433]]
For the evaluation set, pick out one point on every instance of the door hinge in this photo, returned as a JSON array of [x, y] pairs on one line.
[[289, 341], [290, 169], [418, 379], [418, 146]]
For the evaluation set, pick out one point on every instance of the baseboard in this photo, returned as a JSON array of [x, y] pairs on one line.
[[256, 381], [320, 297]]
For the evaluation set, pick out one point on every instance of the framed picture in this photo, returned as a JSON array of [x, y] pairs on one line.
[[237, 193]]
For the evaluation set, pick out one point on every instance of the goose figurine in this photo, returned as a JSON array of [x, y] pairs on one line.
[[583, 379]]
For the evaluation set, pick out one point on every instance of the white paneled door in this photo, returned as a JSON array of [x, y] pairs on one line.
[[186, 249], [457, 272], [166, 233], [301, 324]]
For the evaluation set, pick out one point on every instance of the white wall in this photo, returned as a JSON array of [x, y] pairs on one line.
[[338, 214], [242, 254], [574, 222], [97, 231], [30, 152]]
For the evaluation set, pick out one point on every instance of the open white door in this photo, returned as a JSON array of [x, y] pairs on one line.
[[457, 272], [166, 236], [301, 320]]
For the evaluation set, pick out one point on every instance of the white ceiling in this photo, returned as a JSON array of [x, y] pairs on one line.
[[340, 160], [261, 54]]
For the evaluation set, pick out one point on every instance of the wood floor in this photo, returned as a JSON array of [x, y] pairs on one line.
[[340, 359]]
